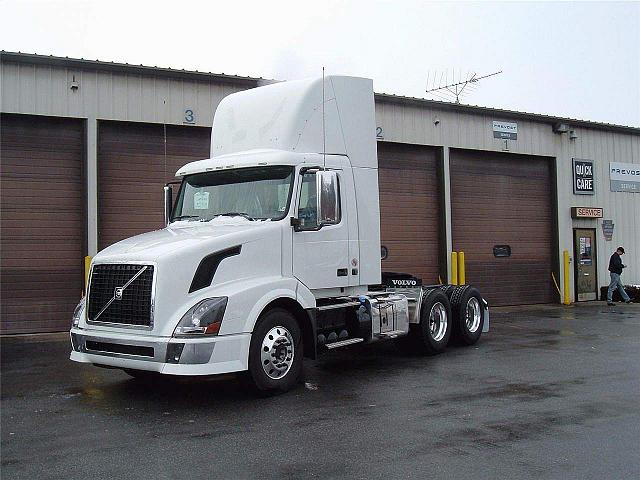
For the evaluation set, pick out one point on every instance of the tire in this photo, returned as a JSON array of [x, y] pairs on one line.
[[275, 352], [431, 335], [448, 290], [468, 314]]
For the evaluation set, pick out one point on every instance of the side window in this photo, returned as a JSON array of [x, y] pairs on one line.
[[330, 199], [308, 208]]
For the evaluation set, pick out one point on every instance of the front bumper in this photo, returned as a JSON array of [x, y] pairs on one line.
[[171, 356]]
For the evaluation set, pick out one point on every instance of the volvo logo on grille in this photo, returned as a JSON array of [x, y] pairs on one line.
[[117, 294]]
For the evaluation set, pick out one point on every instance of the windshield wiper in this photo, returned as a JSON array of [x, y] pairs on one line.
[[235, 214], [182, 217]]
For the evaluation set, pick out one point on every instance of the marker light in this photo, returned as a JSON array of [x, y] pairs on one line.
[[77, 313]]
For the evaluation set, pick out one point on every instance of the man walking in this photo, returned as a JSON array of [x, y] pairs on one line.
[[615, 267]]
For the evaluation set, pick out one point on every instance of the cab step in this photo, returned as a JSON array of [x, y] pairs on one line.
[[344, 343], [391, 334]]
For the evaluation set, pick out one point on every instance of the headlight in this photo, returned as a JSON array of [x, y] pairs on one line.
[[204, 318], [77, 313]]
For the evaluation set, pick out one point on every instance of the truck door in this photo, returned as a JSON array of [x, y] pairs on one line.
[[320, 246]]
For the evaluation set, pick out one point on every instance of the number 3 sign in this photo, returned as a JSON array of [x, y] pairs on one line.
[[189, 116]]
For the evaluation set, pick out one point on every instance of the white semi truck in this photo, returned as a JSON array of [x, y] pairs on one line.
[[271, 252]]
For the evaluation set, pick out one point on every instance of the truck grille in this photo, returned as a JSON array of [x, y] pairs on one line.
[[131, 305]]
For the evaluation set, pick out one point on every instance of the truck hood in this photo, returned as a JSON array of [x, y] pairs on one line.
[[177, 251], [182, 237]]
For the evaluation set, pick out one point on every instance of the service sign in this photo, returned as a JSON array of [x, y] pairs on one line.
[[624, 177], [586, 212], [505, 130], [583, 177]]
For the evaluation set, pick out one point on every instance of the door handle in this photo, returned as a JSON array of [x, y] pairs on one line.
[[343, 272]]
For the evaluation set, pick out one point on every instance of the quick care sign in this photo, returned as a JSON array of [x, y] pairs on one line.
[[583, 177]]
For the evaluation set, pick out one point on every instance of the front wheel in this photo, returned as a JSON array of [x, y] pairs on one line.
[[275, 352]]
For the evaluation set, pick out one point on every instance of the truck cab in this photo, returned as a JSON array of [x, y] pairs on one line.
[[271, 252]]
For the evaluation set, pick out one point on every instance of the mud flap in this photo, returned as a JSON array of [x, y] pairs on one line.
[[485, 327]]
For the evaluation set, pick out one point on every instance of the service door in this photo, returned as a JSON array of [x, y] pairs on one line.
[[410, 212], [502, 219], [133, 168], [42, 220], [584, 254]]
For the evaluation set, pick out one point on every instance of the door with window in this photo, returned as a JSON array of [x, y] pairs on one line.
[[321, 239], [585, 261]]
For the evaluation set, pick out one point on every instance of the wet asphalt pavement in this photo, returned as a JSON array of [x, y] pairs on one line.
[[551, 392]]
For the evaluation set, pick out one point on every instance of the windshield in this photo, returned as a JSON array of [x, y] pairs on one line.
[[256, 193]]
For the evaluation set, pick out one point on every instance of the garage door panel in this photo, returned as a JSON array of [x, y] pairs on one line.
[[39, 309], [133, 169], [409, 209], [503, 199], [43, 227]]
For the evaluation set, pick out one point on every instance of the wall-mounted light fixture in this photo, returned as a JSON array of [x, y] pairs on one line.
[[572, 135], [74, 86], [560, 128]]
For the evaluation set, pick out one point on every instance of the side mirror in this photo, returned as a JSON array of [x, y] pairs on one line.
[[327, 197], [168, 204]]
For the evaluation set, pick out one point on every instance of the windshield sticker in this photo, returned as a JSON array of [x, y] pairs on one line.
[[283, 196], [201, 200]]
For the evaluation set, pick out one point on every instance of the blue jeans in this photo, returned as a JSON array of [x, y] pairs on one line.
[[615, 282]]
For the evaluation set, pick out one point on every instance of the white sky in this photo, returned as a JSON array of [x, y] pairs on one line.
[[578, 60]]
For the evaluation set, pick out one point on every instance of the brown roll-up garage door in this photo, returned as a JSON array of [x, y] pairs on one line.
[[504, 200], [132, 171], [42, 211], [410, 209]]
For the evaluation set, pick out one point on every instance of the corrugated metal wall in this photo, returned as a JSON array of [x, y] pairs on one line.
[[123, 94], [45, 90], [410, 124]]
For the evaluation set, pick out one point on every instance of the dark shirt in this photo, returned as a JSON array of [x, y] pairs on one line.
[[615, 264]]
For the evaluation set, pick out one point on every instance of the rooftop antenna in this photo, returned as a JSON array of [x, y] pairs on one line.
[[164, 128], [324, 138], [446, 90]]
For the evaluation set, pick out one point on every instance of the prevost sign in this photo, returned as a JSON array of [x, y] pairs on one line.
[[505, 130], [586, 212], [624, 177], [583, 177]]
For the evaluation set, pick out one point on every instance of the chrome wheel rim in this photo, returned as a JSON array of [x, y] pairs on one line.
[[473, 315], [438, 321], [277, 352]]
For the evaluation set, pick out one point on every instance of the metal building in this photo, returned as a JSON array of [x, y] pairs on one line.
[[85, 147]]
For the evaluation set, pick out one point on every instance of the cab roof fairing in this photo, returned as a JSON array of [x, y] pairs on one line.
[[288, 117]]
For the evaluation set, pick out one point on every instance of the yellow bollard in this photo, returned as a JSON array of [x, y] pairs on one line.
[[87, 267], [565, 265], [461, 273], [454, 268]]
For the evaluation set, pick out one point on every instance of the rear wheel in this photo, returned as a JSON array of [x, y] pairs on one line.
[[432, 334], [275, 353], [468, 314], [448, 289]]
